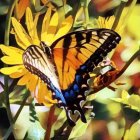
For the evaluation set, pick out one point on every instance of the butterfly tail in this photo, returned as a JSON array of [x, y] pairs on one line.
[[81, 113]]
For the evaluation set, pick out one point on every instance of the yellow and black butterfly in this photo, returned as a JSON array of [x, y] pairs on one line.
[[65, 65]]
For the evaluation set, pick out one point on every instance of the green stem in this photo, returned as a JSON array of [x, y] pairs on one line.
[[22, 105], [6, 42], [17, 115], [118, 15], [86, 2]]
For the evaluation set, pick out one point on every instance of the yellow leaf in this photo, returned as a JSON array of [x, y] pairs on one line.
[[134, 101], [125, 95]]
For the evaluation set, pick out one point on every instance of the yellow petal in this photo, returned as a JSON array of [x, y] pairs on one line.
[[45, 24], [41, 92], [11, 51], [46, 103], [21, 33], [32, 83], [20, 42], [21, 7], [10, 70], [18, 74], [44, 95], [52, 28], [36, 40], [24, 80], [12, 60], [65, 27], [30, 25]]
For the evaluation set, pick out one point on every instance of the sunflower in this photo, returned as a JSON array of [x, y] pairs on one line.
[[51, 30]]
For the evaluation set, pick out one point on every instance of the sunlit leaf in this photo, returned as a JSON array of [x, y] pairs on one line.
[[35, 132], [78, 130]]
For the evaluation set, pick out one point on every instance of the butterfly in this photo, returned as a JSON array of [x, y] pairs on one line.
[[65, 65]]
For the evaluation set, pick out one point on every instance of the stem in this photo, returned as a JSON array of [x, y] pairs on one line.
[[17, 115], [6, 42], [86, 12], [1, 84], [118, 15], [22, 105], [61, 134], [49, 123]]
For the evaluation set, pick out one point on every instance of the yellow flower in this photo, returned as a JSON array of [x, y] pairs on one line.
[[105, 22], [108, 23], [120, 20], [13, 55]]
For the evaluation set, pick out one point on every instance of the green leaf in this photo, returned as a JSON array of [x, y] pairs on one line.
[[131, 101], [60, 120], [134, 101], [67, 8], [4, 5], [35, 132], [132, 133], [17, 95], [79, 129], [33, 115]]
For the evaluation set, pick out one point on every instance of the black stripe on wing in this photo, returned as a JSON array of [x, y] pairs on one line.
[[80, 85]]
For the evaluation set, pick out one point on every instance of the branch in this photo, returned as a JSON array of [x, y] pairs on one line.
[[118, 14], [50, 122], [2, 85]]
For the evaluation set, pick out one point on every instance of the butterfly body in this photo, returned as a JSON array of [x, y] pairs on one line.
[[65, 65]]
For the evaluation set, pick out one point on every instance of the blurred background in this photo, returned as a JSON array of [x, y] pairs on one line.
[[111, 117]]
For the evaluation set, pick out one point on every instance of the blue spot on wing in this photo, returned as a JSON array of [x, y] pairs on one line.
[[58, 94], [75, 88], [83, 67], [78, 79]]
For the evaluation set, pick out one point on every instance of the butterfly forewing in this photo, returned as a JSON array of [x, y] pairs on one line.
[[74, 49]]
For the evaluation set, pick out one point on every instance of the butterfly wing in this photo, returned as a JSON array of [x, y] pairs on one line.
[[39, 63], [71, 51], [75, 55]]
